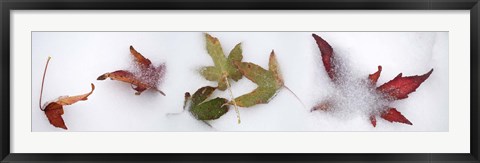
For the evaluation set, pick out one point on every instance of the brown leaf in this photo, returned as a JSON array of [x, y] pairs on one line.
[[139, 58], [400, 87], [68, 100], [148, 77], [127, 77], [54, 112]]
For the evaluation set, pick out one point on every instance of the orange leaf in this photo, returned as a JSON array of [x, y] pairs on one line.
[[147, 78], [400, 87], [140, 59], [68, 100], [127, 77], [392, 115], [54, 110]]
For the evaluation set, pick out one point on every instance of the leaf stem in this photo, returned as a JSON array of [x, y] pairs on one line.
[[208, 124], [295, 95], [185, 103], [174, 114], [43, 80], [233, 100]]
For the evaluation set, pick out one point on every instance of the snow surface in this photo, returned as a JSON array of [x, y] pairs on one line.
[[78, 58]]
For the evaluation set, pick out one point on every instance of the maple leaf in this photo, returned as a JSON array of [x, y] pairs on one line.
[[147, 77], [392, 115], [395, 89], [268, 81], [206, 110], [54, 110], [223, 68], [400, 87]]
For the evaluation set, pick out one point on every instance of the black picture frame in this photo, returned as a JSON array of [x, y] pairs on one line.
[[9, 5]]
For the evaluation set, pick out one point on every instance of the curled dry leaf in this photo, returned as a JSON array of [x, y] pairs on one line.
[[147, 77], [395, 89], [206, 110], [54, 110]]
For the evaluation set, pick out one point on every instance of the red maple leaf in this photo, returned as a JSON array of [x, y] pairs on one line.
[[395, 89]]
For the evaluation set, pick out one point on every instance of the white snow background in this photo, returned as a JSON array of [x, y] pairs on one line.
[[78, 58]]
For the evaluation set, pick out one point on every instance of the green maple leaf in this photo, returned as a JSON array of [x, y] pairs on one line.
[[269, 82], [223, 68], [206, 110]]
